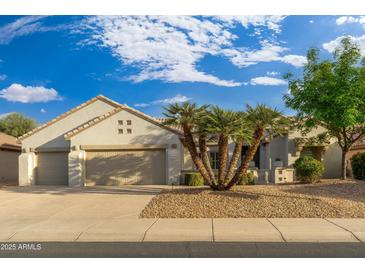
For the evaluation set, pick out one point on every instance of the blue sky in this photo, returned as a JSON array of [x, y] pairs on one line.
[[52, 64]]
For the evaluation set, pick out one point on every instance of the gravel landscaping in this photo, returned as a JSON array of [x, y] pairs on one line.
[[331, 199]]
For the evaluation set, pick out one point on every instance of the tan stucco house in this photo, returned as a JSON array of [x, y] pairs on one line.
[[102, 142], [9, 153]]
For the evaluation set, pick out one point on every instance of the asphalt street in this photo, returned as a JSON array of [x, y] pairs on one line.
[[180, 250]]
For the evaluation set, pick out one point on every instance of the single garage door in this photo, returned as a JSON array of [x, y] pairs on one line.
[[52, 168], [9, 166], [125, 167]]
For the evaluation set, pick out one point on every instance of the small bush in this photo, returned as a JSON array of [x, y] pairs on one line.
[[248, 179], [358, 166], [193, 179], [308, 169]]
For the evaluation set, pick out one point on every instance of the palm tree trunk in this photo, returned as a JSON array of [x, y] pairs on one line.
[[234, 161], [222, 155], [190, 144], [205, 157], [259, 133]]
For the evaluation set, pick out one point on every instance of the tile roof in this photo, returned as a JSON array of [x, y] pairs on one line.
[[359, 144], [162, 120], [7, 141]]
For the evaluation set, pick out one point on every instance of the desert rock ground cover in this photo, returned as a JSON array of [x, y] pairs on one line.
[[335, 199]]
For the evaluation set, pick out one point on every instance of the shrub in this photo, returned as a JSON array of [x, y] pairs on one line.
[[248, 179], [358, 166], [308, 169], [193, 179]]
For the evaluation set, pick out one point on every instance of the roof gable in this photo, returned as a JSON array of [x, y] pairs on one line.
[[66, 114], [103, 117]]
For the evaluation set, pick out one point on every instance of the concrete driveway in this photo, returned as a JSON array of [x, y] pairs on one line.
[[51, 213]]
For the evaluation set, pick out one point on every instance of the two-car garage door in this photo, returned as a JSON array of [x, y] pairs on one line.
[[121, 167], [125, 167]]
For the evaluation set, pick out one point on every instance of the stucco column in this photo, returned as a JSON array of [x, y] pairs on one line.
[[76, 168], [27, 167], [173, 164], [286, 151], [267, 156]]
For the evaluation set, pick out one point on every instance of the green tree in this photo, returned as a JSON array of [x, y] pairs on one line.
[[16, 124], [331, 94]]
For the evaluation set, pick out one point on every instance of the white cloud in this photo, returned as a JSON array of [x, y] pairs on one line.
[[181, 73], [43, 110], [269, 52], [267, 81], [332, 45], [272, 73], [350, 20], [29, 94], [271, 22], [243, 57], [311, 21], [3, 77], [169, 48], [176, 99], [162, 47], [342, 20], [294, 60], [24, 26]]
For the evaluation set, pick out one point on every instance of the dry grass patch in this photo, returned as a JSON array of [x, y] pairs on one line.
[[331, 199]]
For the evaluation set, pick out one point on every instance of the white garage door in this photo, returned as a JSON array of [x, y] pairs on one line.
[[125, 167], [52, 168]]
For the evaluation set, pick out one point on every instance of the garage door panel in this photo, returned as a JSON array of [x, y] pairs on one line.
[[9, 166], [52, 168], [125, 167]]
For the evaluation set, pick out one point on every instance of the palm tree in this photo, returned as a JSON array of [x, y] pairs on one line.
[[242, 136], [225, 124], [188, 116], [203, 149], [262, 118]]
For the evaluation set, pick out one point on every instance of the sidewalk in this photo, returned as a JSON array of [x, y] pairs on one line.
[[186, 230]]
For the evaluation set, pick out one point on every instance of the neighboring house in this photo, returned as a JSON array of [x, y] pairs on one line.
[[9, 153], [102, 142]]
